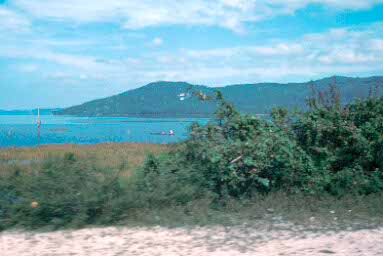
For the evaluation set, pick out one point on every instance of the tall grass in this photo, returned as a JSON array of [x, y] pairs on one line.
[[108, 155], [68, 185]]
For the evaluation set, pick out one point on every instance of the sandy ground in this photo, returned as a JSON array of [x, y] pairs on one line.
[[193, 241]]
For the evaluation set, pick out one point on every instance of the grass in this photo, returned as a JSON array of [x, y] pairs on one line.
[[311, 213], [108, 155], [275, 211]]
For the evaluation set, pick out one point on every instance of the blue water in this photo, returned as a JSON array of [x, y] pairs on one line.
[[21, 130]]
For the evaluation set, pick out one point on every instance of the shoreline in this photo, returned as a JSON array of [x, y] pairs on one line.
[[66, 145]]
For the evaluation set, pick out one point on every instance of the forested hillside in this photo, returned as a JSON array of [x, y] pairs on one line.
[[170, 99]]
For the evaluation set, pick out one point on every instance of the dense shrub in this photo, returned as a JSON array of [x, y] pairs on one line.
[[326, 149], [346, 142], [162, 183]]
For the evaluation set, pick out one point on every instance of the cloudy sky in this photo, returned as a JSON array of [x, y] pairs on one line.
[[56, 53]]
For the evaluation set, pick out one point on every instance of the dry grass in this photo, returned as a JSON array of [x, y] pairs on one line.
[[104, 155]]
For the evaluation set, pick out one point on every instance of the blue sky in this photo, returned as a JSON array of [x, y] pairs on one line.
[[57, 53]]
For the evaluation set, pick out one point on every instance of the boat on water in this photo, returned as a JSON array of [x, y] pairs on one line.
[[171, 133], [161, 134]]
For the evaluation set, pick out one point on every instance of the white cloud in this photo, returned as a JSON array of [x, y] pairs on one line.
[[137, 35], [133, 61], [73, 76], [75, 61], [62, 42], [292, 5], [277, 50], [376, 45], [158, 41], [59, 76], [240, 4], [28, 68], [84, 76], [13, 21], [205, 54], [137, 14], [344, 51], [280, 49], [347, 57], [338, 51]]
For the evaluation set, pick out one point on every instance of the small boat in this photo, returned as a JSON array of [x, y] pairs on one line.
[[171, 133], [162, 133]]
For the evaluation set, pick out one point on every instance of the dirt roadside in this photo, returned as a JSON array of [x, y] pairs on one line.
[[192, 241]]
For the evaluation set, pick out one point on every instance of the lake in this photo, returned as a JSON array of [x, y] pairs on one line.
[[21, 130]]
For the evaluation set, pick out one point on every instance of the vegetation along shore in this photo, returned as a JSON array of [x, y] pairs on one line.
[[324, 163]]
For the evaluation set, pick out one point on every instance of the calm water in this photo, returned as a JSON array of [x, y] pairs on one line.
[[21, 130]]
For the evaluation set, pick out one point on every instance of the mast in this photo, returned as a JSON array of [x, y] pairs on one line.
[[38, 123]]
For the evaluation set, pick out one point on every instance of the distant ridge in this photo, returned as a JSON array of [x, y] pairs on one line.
[[168, 99], [45, 111]]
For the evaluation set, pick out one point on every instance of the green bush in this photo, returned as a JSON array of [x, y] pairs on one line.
[[346, 142], [326, 149], [165, 182], [64, 192]]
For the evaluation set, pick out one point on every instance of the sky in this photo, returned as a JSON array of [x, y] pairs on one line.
[[59, 53]]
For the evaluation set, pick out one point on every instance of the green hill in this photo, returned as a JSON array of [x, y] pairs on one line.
[[165, 99]]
